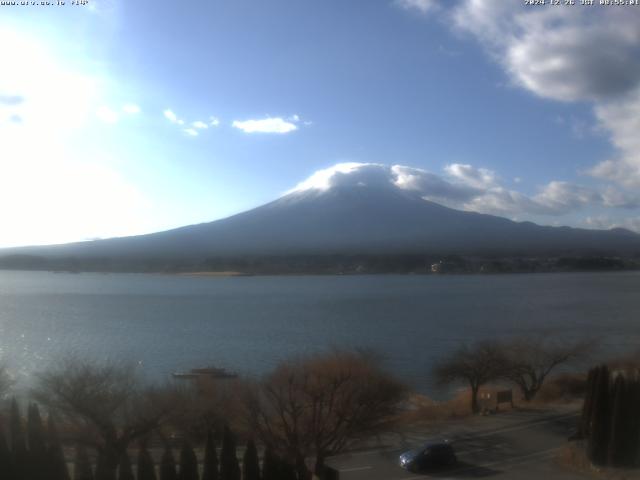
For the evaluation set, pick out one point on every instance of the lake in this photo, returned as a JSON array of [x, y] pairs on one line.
[[168, 323]]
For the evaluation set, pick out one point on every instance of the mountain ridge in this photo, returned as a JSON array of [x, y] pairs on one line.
[[375, 219]]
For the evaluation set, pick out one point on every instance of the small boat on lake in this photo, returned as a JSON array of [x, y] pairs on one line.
[[206, 372]]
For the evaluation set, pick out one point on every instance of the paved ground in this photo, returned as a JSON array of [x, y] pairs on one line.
[[514, 445]]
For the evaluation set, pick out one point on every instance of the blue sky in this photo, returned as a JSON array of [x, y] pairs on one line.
[[119, 118]]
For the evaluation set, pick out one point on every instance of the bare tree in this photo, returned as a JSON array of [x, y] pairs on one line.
[[203, 406], [475, 365], [321, 405], [104, 403], [529, 361]]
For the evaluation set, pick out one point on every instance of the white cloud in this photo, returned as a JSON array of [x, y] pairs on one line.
[[564, 196], [266, 125], [422, 6], [192, 128], [462, 186], [131, 108], [432, 186], [621, 119], [169, 115], [560, 53], [604, 222], [107, 115], [618, 198], [322, 179], [571, 54], [474, 177]]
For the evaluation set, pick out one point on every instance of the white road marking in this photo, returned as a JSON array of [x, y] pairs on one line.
[[364, 453], [523, 458], [466, 436], [355, 469], [475, 450], [512, 429]]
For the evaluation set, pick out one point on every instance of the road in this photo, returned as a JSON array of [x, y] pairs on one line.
[[515, 444]]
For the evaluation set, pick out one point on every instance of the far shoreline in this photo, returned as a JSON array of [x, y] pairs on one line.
[[213, 274]]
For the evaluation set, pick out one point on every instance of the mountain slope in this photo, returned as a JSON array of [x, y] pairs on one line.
[[346, 219]]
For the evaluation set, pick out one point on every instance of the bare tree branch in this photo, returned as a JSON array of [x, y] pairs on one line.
[[320, 405], [104, 402], [475, 365]]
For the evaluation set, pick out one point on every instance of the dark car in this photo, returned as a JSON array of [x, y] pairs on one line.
[[432, 455]]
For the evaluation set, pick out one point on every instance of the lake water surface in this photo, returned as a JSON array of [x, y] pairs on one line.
[[169, 323]]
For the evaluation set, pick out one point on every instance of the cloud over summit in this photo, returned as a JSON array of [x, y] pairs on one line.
[[460, 186]]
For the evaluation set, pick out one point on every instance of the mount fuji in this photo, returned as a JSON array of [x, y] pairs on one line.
[[337, 212]]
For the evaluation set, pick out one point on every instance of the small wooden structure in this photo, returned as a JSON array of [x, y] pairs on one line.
[[504, 396], [490, 401]]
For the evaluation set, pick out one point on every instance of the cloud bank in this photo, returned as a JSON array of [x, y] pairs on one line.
[[465, 187], [570, 54]]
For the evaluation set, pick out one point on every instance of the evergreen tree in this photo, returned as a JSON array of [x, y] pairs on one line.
[[168, 465], [598, 440], [229, 468], [250, 462], [302, 471], [634, 431], [587, 406], [38, 458], [6, 461], [619, 421], [269, 466], [103, 469], [210, 467], [19, 450], [632, 451], [82, 467], [57, 462], [146, 469], [35, 431], [15, 426], [125, 470], [188, 463], [613, 429], [286, 471]]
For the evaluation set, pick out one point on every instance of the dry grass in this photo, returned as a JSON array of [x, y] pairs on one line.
[[422, 409], [573, 457], [562, 388]]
